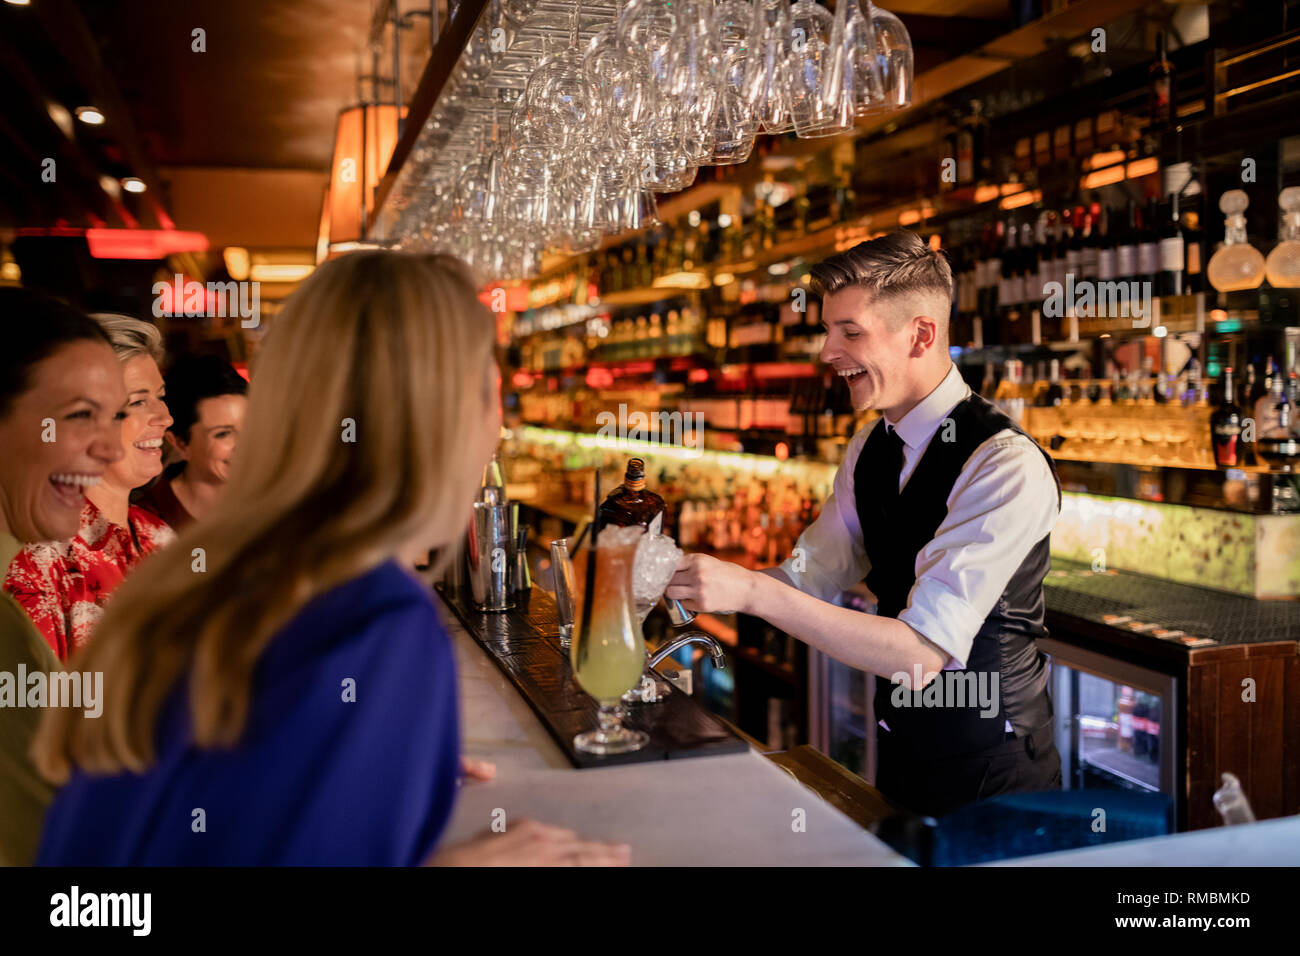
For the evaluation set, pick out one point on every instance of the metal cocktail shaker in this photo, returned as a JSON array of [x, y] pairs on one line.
[[491, 554]]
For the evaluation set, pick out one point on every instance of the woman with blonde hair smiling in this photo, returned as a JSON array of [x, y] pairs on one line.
[[280, 669], [65, 585]]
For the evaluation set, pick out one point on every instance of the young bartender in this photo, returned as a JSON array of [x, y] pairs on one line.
[[943, 506]]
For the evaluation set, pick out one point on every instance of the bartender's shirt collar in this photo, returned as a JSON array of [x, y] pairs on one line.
[[919, 425]]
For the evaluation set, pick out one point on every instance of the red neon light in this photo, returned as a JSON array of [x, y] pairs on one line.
[[129, 243], [242, 369], [698, 375], [599, 377], [60, 230], [143, 243], [517, 298], [521, 379], [635, 368], [784, 370]]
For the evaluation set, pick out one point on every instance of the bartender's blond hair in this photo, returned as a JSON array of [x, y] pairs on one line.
[[372, 376]]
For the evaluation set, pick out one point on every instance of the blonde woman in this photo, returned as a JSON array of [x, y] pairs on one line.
[[65, 585], [278, 688]]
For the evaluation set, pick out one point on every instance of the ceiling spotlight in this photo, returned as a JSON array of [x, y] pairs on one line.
[[280, 271], [90, 116], [60, 117], [133, 185], [18, 3], [110, 186], [237, 262]]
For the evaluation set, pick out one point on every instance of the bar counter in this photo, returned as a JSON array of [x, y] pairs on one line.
[[731, 810]]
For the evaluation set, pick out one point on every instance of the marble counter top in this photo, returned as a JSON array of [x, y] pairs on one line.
[[732, 810]]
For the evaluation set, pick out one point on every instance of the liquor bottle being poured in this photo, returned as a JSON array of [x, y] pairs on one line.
[[631, 503]]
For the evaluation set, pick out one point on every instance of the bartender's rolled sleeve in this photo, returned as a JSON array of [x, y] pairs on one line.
[[1003, 503]]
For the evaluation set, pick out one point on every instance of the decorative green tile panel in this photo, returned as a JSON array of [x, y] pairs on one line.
[[1254, 555]]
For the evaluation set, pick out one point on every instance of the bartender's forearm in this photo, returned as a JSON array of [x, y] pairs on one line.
[[882, 645]]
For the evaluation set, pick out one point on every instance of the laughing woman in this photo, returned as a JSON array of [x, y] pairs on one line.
[[58, 380], [64, 585]]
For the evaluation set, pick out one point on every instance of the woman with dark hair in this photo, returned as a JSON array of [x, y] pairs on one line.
[[206, 398], [61, 408], [64, 585]]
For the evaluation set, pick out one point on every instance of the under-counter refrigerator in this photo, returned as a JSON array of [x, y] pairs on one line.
[[1114, 721]]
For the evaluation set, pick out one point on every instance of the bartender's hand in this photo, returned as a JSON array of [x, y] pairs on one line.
[[703, 583], [529, 843], [474, 769]]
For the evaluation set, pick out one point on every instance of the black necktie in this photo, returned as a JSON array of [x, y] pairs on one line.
[[892, 463]]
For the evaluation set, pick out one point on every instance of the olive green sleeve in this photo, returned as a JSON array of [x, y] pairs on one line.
[[24, 794]]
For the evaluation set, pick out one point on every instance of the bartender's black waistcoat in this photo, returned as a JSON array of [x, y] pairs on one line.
[[895, 527]]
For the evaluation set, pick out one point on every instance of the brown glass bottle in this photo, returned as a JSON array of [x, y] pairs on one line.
[[632, 504], [1225, 426]]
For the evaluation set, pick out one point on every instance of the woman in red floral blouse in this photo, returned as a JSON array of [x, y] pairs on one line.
[[63, 586]]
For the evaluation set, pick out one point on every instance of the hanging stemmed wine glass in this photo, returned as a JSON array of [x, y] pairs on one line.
[[650, 30], [894, 54], [735, 123], [818, 103], [868, 91], [695, 76], [767, 70]]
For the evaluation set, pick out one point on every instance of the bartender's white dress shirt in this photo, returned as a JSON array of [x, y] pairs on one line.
[[1003, 502]]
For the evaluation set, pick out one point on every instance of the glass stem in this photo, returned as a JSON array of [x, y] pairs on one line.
[[608, 717]]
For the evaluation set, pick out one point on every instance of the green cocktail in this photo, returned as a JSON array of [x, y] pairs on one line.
[[608, 651]]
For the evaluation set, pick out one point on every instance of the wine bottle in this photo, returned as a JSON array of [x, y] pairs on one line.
[[1266, 406], [1046, 254], [1090, 254], [1193, 274], [982, 152], [1007, 306], [1074, 246], [964, 152], [1054, 394], [993, 266], [1105, 246], [1172, 253], [1126, 246], [1148, 264], [1225, 426], [1161, 110]]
